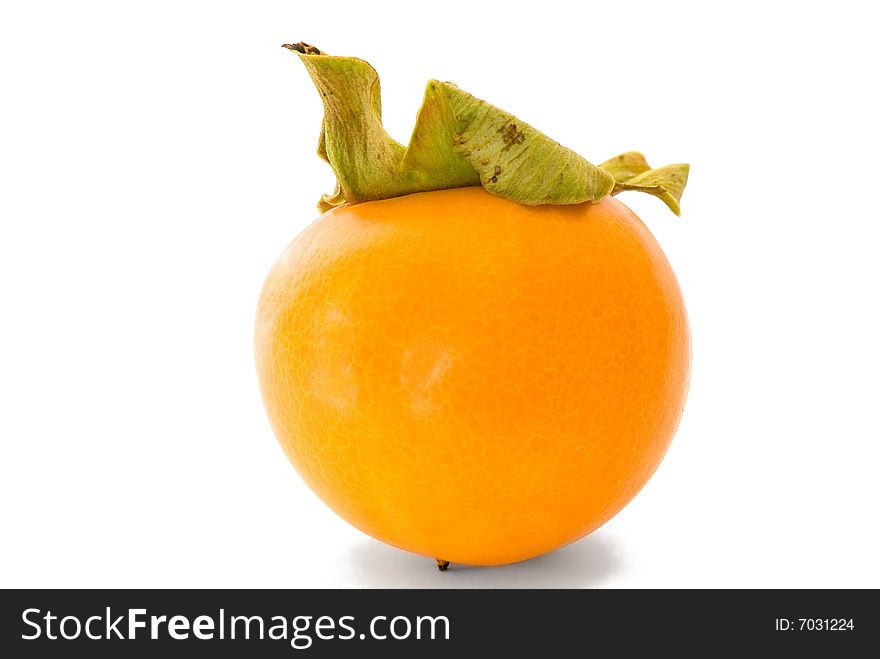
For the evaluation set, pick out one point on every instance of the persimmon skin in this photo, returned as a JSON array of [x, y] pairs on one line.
[[472, 379]]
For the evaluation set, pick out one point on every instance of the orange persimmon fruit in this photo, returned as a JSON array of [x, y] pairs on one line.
[[470, 378]]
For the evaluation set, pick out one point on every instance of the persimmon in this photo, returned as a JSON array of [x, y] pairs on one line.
[[464, 357]]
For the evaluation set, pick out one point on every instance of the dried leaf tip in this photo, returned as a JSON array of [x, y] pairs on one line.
[[302, 47]]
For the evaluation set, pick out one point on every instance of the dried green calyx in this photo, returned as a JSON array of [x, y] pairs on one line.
[[458, 141]]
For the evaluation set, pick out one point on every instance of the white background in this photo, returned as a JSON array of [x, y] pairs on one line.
[[156, 157]]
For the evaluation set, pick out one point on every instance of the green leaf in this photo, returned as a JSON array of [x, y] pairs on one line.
[[632, 172], [667, 183], [363, 157], [518, 162], [431, 158]]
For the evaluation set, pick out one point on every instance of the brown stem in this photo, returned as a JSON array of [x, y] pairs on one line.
[[302, 47]]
